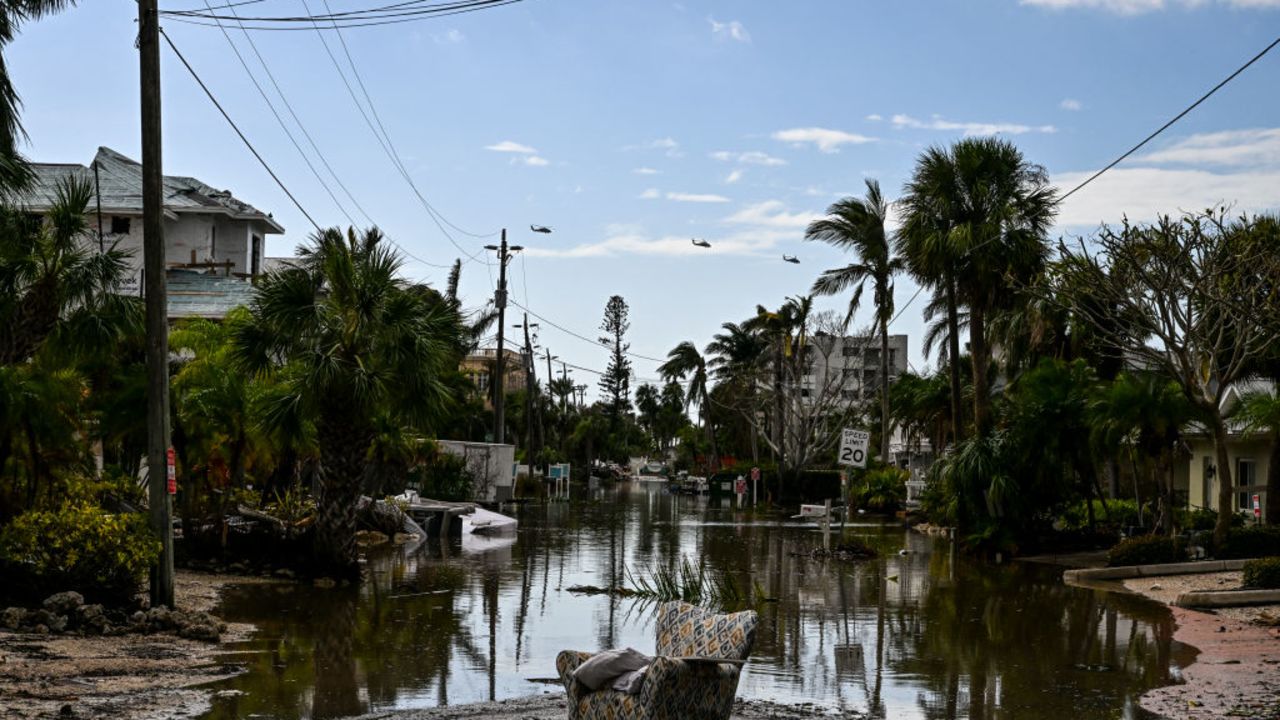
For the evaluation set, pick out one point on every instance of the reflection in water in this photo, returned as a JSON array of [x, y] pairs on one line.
[[915, 635]]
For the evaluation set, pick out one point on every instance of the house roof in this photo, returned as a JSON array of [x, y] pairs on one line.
[[120, 184]]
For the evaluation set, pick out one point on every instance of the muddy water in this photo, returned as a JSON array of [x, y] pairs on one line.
[[914, 634]]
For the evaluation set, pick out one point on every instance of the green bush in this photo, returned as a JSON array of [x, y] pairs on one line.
[[78, 547], [1251, 542], [444, 477], [1116, 514], [1205, 520], [1146, 550], [1262, 574], [880, 490]]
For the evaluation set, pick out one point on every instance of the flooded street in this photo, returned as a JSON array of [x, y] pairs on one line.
[[911, 635]]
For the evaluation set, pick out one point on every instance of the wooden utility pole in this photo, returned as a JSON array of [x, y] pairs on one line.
[[499, 376], [156, 302], [530, 380]]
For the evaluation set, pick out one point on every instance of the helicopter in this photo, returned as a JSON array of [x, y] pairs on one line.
[[791, 259], [700, 243], [540, 229]]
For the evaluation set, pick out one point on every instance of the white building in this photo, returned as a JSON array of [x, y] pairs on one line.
[[852, 363], [214, 242]]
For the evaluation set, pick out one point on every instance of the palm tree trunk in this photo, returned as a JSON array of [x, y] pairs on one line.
[[884, 388], [953, 349], [342, 449], [981, 364], [711, 429]]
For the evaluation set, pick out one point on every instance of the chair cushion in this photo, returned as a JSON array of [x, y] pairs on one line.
[[606, 666], [686, 630]]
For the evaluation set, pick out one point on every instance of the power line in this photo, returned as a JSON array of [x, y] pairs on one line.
[[235, 127], [280, 120], [1127, 153], [1175, 119], [580, 336], [295, 24], [384, 143]]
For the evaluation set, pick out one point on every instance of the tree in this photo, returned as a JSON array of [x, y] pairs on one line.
[[363, 344], [1194, 299], [975, 221], [1259, 410], [685, 363], [13, 169], [48, 274], [859, 226], [737, 363], [616, 381]]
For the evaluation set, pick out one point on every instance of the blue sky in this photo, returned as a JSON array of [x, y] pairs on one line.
[[631, 127]]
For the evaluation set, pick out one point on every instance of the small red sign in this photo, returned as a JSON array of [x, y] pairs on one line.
[[755, 474], [1257, 506], [740, 486], [171, 472]]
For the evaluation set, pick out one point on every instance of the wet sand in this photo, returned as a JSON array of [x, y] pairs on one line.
[[1236, 674], [129, 676]]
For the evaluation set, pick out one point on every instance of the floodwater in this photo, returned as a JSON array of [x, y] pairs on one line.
[[911, 635]]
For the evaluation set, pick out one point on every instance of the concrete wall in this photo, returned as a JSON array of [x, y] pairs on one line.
[[1202, 453]]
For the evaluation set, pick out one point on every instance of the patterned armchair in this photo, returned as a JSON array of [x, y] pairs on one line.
[[673, 689]]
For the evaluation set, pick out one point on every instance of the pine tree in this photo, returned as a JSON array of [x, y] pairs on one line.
[[616, 381]]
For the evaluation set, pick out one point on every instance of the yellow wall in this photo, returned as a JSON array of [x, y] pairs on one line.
[[1201, 449]]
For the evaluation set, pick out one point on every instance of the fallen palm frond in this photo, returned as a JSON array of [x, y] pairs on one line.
[[696, 585]]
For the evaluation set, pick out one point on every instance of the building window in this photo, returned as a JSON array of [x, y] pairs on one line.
[[255, 256], [1246, 474], [119, 225]]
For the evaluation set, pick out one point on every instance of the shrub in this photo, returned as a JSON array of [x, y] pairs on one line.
[[1117, 514], [1146, 550], [1205, 520], [445, 477], [78, 547], [1262, 574], [1251, 542], [880, 490]]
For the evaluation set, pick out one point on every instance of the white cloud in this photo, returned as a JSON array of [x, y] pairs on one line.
[[650, 194], [1138, 7], [696, 197], [646, 171], [509, 146], [732, 30], [772, 214], [826, 140], [875, 117], [1141, 194], [1252, 147], [536, 161], [751, 157], [668, 144], [453, 36], [1071, 104], [733, 177], [969, 128]]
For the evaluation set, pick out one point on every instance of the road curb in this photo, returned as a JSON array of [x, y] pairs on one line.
[[1132, 571]]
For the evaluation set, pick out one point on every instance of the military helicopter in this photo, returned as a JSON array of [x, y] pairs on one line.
[[700, 243], [540, 229], [791, 259]]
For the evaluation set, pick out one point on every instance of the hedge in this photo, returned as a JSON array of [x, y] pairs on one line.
[[1262, 574], [1146, 550], [1251, 542]]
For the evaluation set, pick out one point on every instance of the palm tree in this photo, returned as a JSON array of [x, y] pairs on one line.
[[364, 343], [737, 357], [48, 275], [1260, 411], [975, 224], [859, 226], [683, 361], [13, 169]]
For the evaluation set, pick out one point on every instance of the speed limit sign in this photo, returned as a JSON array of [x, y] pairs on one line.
[[853, 448]]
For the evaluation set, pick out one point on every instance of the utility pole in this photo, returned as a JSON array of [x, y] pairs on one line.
[[530, 383], [156, 302], [500, 300]]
